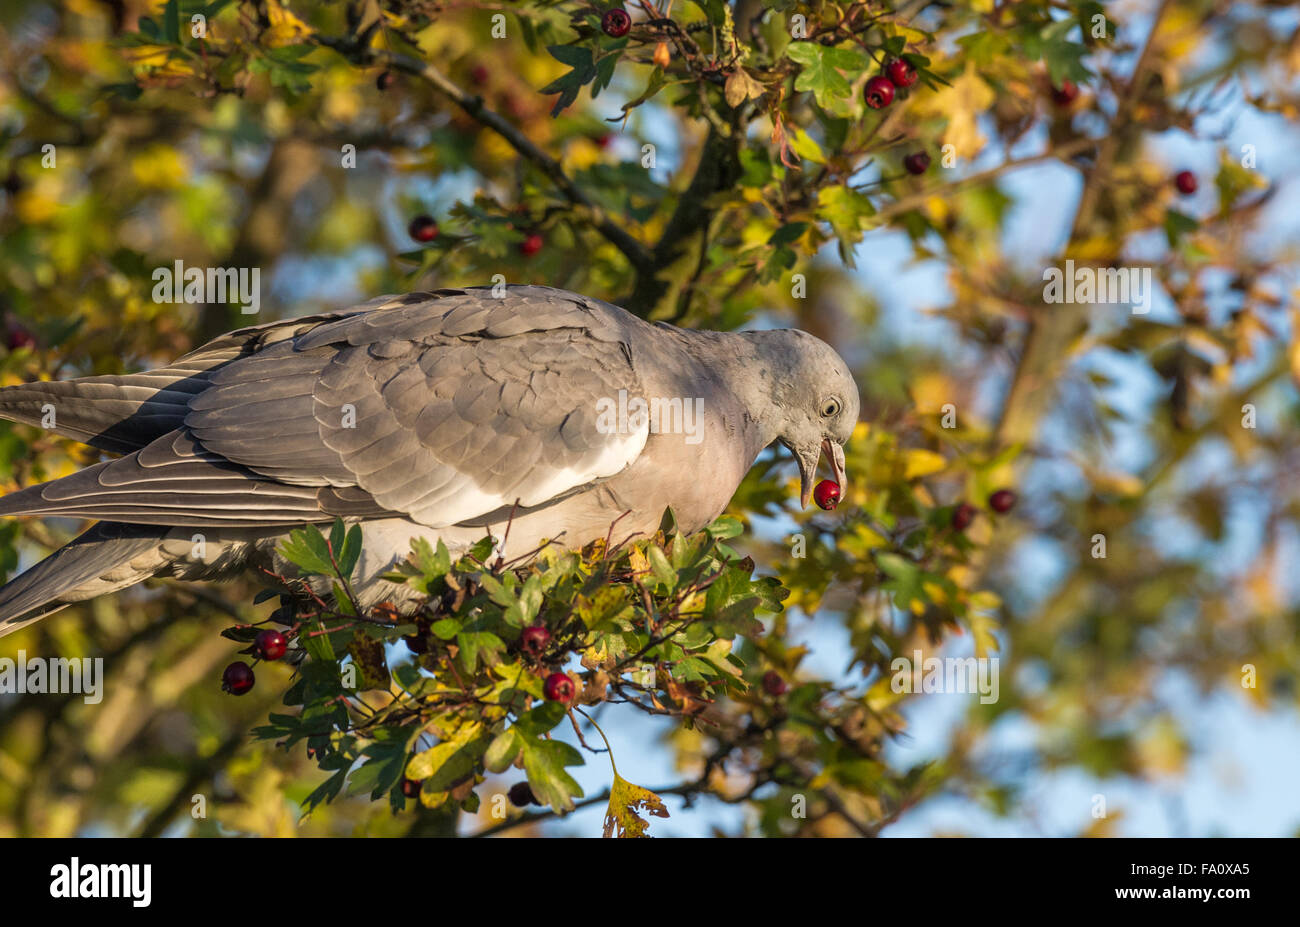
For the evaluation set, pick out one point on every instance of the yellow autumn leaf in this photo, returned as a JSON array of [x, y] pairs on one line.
[[919, 462], [967, 98], [625, 800], [286, 28]]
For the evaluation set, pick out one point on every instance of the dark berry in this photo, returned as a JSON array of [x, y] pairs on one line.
[[521, 795], [410, 787], [918, 162], [963, 515], [479, 74], [270, 644], [423, 228], [416, 643], [237, 679], [879, 92], [900, 73], [1065, 94], [1186, 182], [535, 639], [558, 688], [530, 245], [773, 684], [19, 337], [385, 80], [827, 494], [616, 23], [1002, 501]]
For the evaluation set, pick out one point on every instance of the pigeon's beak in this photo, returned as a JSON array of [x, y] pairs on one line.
[[808, 461], [835, 454]]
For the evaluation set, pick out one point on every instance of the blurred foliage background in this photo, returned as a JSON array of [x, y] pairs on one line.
[[302, 139]]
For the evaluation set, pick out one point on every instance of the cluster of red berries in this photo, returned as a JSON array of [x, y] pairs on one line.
[[899, 74], [1001, 502], [270, 644]]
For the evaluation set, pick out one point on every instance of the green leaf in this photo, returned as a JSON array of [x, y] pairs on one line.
[[820, 72], [307, 550], [545, 762]]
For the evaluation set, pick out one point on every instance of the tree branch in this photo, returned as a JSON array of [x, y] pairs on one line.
[[635, 252]]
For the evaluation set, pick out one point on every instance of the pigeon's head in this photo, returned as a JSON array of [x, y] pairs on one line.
[[815, 400]]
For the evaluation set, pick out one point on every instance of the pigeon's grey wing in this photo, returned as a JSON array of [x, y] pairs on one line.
[[444, 411], [445, 417], [121, 413]]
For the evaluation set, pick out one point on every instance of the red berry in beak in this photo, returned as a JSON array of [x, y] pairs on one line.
[[237, 678], [879, 92], [270, 644], [616, 23], [963, 515], [535, 639], [1186, 183], [900, 73], [827, 494], [1002, 501], [558, 688], [423, 228]]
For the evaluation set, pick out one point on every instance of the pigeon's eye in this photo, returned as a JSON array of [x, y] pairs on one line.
[[830, 407]]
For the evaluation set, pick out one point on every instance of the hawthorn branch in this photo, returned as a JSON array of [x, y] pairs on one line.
[[1048, 340], [473, 106]]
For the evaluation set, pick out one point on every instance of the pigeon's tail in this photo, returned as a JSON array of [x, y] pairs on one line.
[[119, 414], [89, 566]]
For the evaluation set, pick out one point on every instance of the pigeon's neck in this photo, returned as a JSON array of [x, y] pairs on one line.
[[750, 366]]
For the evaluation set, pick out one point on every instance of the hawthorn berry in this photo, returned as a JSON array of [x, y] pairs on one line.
[[773, 684], [19, 337], [534, 639], [384, 80], [900, 73], [616, 23], [423, 228], [827, 494], [558, 688], [270, 644], [416, 643], [237, 678], [479, 74], [530, 245], [1065, 94], [521, 795], [963, 515], [1002, 501], [1185, 181], [410, 787], [879, 92], [918, 162]]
